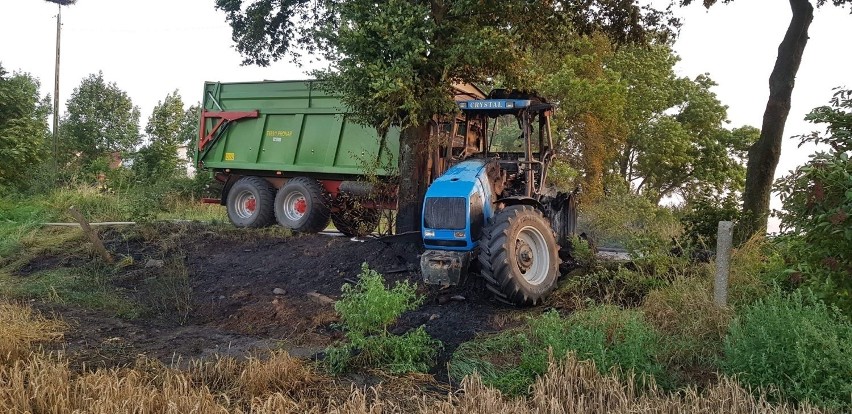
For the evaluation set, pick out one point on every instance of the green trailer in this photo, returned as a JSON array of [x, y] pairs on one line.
[[286, 151]]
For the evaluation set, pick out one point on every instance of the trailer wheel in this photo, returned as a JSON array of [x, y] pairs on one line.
[[301, 205], [250, 201], [353, 220], [519, 256]]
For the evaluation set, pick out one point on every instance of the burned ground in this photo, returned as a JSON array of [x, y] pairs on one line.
[[206, 290]]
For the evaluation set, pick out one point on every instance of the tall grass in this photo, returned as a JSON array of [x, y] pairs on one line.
[[512, 360]]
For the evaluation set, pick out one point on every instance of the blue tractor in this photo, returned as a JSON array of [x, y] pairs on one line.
[[493, 208]]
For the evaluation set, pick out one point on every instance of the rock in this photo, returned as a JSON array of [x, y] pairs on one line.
[[240, 295], [154, 263], [320, 298], [279, 291], [221, 297], [434, 316]]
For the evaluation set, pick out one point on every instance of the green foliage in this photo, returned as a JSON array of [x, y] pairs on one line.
[[17, 219], [582, 252], [676, 141], [616, 285], [23, 128], [366, 310], [610, 336], [627, 220], [702, 216], [817, 206], [100, 119], [511, 360], [796, 347], [413, 351]]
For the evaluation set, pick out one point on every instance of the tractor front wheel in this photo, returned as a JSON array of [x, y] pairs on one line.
[[519, 256]]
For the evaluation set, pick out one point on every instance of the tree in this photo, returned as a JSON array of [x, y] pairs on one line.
[[623, 111], [23, 127], [165, 133], [394, 63], [100, 119], [764, 154]]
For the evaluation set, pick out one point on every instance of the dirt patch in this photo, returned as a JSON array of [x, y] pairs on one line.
[[254, 291], [233, 287]]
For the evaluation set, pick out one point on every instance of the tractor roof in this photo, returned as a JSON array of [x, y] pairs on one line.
[[496, 107]]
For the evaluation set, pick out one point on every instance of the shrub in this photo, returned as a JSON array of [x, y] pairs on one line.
[[366, 310], [817, 201], [794, 345]]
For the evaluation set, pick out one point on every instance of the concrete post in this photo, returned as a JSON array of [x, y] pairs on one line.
[[724, 243]]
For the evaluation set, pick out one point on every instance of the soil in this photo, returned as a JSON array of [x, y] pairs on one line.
[[258, 292]]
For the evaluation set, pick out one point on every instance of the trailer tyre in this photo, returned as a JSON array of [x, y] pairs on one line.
[[301, 205], [352, 220], [250, 202], [519, 256]]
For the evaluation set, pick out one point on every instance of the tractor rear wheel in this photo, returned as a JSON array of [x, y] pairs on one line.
[[250, 202], [519, 256], [301, 205]]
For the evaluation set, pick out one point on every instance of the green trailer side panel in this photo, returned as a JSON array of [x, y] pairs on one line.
[[299, 129], [278, 148]]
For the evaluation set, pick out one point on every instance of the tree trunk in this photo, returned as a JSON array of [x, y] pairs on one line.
[[413, 176], [764, 154]]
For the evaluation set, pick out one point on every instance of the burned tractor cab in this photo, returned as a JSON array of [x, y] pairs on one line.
[[493, 206]]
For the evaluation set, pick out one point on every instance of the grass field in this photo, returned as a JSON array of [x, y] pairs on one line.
[[186, 320]]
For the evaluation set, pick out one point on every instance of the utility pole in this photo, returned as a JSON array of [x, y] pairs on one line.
[[56, 94]]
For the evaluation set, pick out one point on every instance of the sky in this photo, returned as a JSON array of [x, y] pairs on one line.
[[151, 48]]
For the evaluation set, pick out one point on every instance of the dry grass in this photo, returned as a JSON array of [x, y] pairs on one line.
[[693, 327], [45, 384], [21, 328]]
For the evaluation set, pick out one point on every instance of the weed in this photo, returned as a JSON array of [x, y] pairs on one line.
[[794, 345], [368, 307], [582, 252], [167, 291], [282, 384], [366, 310]]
